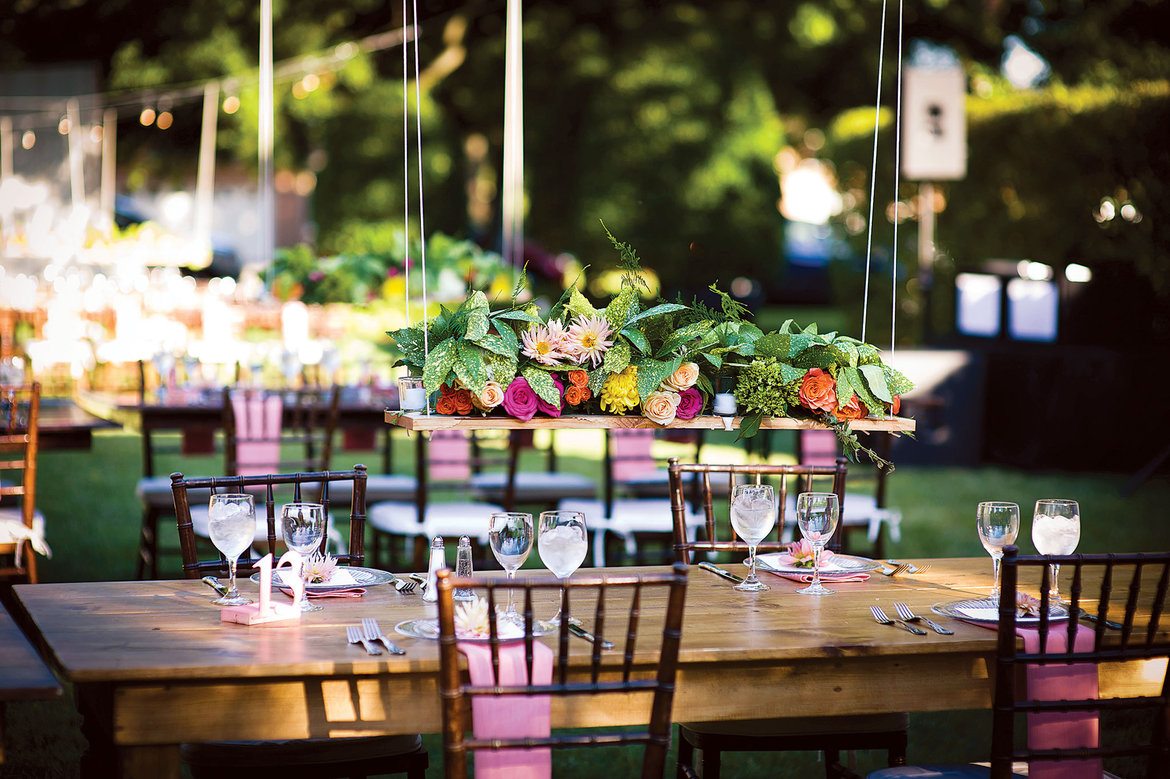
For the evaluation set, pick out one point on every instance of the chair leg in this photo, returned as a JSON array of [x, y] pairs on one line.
[[686, 756], [710, 763], [147, 565]]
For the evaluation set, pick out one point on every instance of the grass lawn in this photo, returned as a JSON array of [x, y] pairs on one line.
[[92, 526]]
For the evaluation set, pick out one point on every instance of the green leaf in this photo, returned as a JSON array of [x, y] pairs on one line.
[[438, 364], [896, 382], [520, 315], [501, 369], [847, 351], [508, 336], [621, 308], [542, 384], [476, 302], [470, 367], [661, 308], [579, 305], [715, 360], [617, 357], [749, 425], [477, 326], [788, 326], [704, 385], [789, 374], [685, 334], [637, 339], [597, 378], [845, 384], [651, 373], [875, 380], [493, 343], [773, 345]]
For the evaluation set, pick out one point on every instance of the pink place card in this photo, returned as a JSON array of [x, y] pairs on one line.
[[265, 610]]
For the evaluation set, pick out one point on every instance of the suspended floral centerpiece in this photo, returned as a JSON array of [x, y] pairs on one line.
[[630, 365]]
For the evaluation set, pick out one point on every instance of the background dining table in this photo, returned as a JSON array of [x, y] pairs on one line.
[[152, 664]]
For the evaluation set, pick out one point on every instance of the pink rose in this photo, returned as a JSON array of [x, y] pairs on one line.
[[690, 404], [519, 399], [548, 408]]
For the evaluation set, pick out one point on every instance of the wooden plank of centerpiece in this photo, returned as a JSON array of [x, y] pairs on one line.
[[422, 421]]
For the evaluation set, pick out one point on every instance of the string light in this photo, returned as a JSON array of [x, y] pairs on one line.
[[231, 104], [28, 140], [164, 120], [146, 118], [64, 126]]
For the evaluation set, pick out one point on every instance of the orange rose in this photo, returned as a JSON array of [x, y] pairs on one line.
[[445, 404], [492, 396], [682, 379], [445, 389], [661, 407], [586, 394], [579, 378], [573, 395], [897, 404], [818, 391], [854, 409], [463, 401]]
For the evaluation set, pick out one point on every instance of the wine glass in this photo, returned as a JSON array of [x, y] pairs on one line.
[[998, 523], [232, 526], [1056, 529], [753, 513], [563, 541], [511, 534], [303, 526], [817, 514]]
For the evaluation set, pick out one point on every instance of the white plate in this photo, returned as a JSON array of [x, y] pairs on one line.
[[838, 563], [357, 577], [986, 611], [429, 629]]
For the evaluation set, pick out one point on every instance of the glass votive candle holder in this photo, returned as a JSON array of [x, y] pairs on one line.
[[412, 396], [724, 404]]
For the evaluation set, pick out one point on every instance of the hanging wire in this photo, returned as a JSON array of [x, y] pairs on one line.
[[406, 172], [877, 107], [422, 223], [897, 169]]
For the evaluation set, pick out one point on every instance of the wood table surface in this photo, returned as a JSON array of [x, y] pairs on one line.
[[153, 664], [63, 424]]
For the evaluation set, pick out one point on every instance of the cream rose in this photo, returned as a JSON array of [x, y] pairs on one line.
[[661, 406], [492, 396], [682, 379]]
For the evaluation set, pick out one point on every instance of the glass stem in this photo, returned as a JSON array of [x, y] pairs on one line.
[[1054, 591], [232, 593], [511, 608], [751, 565], [995, 579], [816, 582]]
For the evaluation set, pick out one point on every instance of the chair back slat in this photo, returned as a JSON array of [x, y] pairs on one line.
[[700, 473], [651, 672], [266, 485], [1142, 580]]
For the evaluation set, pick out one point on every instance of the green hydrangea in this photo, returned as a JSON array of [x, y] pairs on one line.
[[761, 387]]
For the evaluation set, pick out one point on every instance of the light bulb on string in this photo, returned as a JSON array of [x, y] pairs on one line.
[[165, 118], [231, 104], [146, 118], [64, 125], [28, 140]]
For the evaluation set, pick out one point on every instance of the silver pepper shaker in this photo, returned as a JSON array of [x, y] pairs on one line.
[[437, 563], [463, 568]]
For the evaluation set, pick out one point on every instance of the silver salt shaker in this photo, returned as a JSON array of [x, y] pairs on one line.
[[437, 563], [463, 568]]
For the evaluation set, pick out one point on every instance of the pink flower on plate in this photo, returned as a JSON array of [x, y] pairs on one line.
[[548, 408], [801, 554], [690, 404], [520, 400]]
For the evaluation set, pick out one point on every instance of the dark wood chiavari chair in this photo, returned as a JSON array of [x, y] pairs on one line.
[[832, 735], [310, 757], [632, 668], [19, 415], [1126, 589]]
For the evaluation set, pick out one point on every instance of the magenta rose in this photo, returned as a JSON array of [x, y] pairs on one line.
[[519, 399], [548, 408], [690, 404]]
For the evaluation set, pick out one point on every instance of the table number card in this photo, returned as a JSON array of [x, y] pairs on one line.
[[265, 610]]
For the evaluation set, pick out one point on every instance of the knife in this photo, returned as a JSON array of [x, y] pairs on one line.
[[721, 573], [1093, 618], [214, 584], [577, 629]]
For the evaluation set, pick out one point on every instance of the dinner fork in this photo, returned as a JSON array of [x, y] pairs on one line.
[[905, 613], [894, 570], [354, 633], [374, 633], [405, 586], [881, 617]]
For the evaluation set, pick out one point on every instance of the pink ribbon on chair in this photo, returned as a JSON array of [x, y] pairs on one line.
[[1063, 681], [258, 422], [510, 716]]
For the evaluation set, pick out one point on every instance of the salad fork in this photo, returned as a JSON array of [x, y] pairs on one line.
[[405, 586], [374, 633], [909, 616], [354, 634], [894, 570], [881, 617]]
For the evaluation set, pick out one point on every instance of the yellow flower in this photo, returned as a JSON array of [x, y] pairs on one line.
[[619, 394]]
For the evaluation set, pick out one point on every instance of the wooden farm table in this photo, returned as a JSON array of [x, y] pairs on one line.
[[63, 424], [153, 665], [23, 675]]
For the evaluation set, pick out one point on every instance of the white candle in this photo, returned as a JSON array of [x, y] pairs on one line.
[[724, 404], [414, 399]]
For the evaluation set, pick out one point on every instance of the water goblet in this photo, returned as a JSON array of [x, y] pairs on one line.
[[817, 514], [998, 524], [753, 513], [511, 535], [1056, 529], [302, 525], [232, 526], [563, 540]]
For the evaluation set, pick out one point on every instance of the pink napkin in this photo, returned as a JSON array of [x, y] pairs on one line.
[[352, 592], [258, 420], [1067, 681], [510, 716], [807, 578]]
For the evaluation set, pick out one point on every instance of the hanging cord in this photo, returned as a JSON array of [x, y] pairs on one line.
[[406, 170], [897, 169], [422, 222], [877, 107]]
